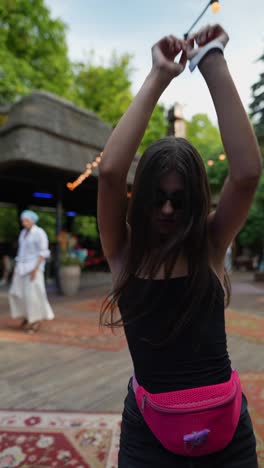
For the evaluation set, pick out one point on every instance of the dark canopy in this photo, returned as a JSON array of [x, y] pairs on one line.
[[45, 143]]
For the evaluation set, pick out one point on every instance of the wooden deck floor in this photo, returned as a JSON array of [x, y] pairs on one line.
[[43, 376]]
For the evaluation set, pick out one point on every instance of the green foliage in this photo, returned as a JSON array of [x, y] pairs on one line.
[[260, 192], [104, 90], [70, 260], [86, 226], [257, 107], [9, 225], [252, 234], [34, 56], [33, 51], [47, 221], [205, 137], [157, 128], [217, 174]]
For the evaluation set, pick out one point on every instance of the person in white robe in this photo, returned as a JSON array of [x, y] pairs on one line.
[[27, 294]]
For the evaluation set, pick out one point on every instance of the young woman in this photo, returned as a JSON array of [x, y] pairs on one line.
[[27, 294], [184, 405]]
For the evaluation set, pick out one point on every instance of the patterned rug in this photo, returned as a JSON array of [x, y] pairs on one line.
[[245, 325], [42, 439]]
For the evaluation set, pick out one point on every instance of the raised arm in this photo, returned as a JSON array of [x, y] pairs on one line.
[[239, 141], [122, 146]]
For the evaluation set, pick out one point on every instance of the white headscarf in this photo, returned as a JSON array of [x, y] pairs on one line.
[[28, 214]]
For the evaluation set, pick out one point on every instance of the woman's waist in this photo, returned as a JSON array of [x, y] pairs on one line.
[[181, 377]]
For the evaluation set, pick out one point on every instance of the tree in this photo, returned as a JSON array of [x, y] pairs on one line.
[[157, 128], [207, 140], [33, 51], [257, 107], [205, 137], [47, 220], [252, 234], [86, 226], [106, 90], [9, 226]]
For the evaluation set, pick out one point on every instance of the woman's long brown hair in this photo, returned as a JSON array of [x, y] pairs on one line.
[[143, 259]]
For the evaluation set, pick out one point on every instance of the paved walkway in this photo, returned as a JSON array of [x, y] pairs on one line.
[[247, 294], [51, 376]]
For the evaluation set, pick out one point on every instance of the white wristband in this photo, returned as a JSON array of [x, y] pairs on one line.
[[203, 51]]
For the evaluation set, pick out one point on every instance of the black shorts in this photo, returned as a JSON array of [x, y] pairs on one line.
[[139, 448]]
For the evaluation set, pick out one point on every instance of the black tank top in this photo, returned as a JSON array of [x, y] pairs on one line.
[[179, 364]]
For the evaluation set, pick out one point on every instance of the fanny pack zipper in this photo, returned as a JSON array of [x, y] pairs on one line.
[[156, 407]]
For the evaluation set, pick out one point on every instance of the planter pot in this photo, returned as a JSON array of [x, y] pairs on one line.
[[70, 277]]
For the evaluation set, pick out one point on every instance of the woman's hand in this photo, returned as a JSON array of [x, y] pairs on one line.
[[33, 274], [164, 53], [203, 37]]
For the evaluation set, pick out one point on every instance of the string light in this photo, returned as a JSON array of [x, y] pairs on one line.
[[210, 162], [222, 157], [215, 5], [89, 167]]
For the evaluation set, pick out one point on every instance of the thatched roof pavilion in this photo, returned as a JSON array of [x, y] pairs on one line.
[[45, 143]]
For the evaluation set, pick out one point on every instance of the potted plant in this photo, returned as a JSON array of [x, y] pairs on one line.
[[70, 274], [70, 267]]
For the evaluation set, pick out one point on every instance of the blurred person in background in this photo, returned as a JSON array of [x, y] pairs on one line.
[[27, 294]]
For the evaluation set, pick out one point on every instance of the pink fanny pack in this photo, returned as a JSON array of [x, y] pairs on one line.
[[193, 422]]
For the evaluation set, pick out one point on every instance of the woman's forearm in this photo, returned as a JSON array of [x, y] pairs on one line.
[[236, 131], [126, 137]]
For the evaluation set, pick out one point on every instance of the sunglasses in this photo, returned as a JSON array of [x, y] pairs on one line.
[[176, 199]]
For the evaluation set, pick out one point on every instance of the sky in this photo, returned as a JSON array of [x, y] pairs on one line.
[[134, 26]]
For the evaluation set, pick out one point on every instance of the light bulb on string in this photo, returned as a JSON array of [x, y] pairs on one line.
[[89, 167], [222, 157], [215, 6]]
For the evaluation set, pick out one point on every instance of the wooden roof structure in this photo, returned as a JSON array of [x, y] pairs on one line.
[[46, 142]]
